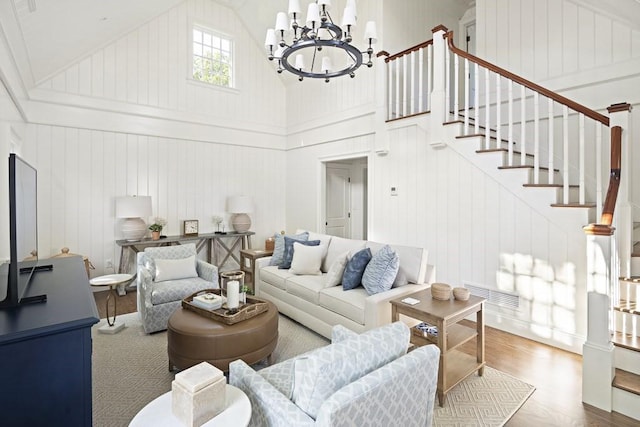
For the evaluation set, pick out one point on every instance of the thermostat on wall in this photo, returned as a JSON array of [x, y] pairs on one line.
[[394, 191]]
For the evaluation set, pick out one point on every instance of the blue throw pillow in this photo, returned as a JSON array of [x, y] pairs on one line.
[[355, 269], [381, 271], [288, 249], [278, 246]]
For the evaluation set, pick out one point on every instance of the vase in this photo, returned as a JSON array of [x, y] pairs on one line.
[[155, 235], [243, 297]]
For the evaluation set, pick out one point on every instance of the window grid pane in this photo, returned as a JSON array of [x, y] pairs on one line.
[[212, 58]]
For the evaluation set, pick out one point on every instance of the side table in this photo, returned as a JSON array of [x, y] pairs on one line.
[[248, 259], [158, 412], [455, 365], [113, 281]]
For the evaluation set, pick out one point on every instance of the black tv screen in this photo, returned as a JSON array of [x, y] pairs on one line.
[[23, 231]]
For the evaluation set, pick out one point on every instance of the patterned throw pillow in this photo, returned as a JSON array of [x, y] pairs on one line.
[[355, 269], [278, 246], [288, 250], [381, 271]]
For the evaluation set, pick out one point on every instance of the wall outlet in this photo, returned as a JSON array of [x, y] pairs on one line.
[[108, 263]]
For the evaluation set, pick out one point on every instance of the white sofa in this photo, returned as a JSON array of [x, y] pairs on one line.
[[305, 298]]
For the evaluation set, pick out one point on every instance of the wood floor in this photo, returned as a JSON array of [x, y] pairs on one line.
[[556, 374]]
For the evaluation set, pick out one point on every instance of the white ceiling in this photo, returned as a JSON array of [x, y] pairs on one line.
[[51, 34]]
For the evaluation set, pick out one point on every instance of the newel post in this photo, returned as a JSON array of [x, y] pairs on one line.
[[438, 112], [597, 352]]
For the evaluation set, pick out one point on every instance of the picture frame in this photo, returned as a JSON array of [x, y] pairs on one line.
[[190, 227]]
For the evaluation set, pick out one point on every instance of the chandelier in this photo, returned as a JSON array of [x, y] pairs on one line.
[[318, 37]]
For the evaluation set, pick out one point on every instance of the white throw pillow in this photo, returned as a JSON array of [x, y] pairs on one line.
[[307, 259], [334, 275], [172, 269]]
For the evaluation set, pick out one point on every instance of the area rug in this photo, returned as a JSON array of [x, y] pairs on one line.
[[130, 369]]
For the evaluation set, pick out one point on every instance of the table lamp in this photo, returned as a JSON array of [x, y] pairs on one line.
[[133, 209], [239, 206]]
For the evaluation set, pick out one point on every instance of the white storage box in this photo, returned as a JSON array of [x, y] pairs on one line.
[[198, 394]]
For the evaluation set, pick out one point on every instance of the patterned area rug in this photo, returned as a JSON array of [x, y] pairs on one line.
[[130, 369]]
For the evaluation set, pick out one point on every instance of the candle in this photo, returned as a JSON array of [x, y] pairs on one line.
[[233, 294]]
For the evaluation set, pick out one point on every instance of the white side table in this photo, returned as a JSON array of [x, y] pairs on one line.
[[158, 412], [111, 280]]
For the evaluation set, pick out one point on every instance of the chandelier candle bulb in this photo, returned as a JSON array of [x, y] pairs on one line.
[[300, 62], [326, 64], [349, 18], [282, 23], [370, 33], [313, 16]]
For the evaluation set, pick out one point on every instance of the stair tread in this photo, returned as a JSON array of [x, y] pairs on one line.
[[627, 381], [573, 205], [628, 341], [542, 168], [503, 150], [550, 185], [632, 279], [627, 307]]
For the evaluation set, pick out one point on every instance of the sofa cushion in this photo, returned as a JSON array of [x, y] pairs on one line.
[[381, 271], [306, 287], [338, 246], [173, 269], [307, 259], [274, 276], [354, 269], [348, 304], [278, 246], [335, 272], [175, 290], [288, 250], [412, 262], [321, 373]]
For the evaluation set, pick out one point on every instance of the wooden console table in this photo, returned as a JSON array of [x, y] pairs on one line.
[[220, 247], [455, 365]]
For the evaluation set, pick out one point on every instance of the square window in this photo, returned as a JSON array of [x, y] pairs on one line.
[[212, 58]]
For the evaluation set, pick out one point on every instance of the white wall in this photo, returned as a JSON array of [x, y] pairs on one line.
[[127, 119]]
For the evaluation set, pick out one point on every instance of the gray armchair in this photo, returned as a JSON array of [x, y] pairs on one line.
[[166, 275]]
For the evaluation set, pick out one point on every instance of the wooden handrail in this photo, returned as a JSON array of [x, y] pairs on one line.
[[404, 52], [614, 177], [524, 82]]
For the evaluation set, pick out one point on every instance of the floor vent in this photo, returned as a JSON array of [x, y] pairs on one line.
[[503, 299]]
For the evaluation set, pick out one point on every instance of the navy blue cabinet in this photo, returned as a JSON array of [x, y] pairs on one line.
[[45, 351]]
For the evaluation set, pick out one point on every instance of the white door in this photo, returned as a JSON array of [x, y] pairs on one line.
[[337, 203]]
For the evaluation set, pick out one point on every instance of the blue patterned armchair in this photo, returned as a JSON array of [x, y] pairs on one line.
[[166, 275], [357, 380]]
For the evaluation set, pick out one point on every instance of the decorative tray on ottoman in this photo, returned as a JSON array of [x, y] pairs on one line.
[[251, 308]]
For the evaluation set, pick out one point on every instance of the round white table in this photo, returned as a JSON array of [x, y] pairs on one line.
[[111, 280], [158, 412]]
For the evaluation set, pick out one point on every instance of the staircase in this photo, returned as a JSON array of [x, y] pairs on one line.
[[551, 150]]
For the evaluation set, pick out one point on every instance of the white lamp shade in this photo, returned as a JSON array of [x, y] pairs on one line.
[[300, 62], [370, 32], [294, 7], [325, 3], [133, 207], [282, 22], [313, 15], [270, 39], [239, 204], [352, 5], [349, 17], [326, 64]]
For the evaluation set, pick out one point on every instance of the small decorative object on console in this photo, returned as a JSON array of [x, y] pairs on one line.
[[198, 394], [461, 294], [441, 291], [190, 227]]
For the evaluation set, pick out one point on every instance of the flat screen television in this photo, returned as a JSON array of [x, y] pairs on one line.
[[23, 236]]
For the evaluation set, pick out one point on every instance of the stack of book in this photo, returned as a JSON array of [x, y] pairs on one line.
[[208, 301]]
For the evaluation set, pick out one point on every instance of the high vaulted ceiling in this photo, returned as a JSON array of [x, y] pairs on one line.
[[48, 35]]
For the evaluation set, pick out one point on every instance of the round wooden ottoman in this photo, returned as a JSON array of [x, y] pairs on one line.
[[192, 338]]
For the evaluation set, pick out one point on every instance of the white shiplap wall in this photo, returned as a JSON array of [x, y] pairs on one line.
[[81, 172], [127, 119]]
